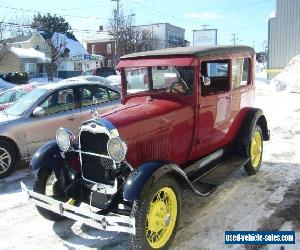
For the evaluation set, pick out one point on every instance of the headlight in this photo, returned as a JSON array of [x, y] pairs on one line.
[[64, 138], [117, 149]]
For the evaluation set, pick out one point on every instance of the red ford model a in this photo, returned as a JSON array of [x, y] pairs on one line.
[[187, 121]]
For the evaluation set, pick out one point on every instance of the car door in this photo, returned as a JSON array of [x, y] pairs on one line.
[[61, 108], [97, 97], [214, 106]]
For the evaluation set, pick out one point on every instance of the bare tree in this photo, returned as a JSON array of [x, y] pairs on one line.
[[58, 51], [4, 48], [130, 38]]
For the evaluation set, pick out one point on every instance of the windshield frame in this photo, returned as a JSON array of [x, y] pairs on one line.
[[178, 61]]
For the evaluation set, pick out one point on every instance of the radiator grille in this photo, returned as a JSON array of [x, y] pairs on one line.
[[94, 143], [95, 168]]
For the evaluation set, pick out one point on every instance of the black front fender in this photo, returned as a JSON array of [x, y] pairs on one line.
[[148, 174], [47, 156]]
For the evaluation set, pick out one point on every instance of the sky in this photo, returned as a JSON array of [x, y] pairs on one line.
[[248, 19]]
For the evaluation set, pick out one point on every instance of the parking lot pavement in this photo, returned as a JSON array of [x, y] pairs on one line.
[[267, 201]]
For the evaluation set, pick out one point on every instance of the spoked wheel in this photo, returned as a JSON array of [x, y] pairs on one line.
[[47, 184], [8, 160], [157, 216], [255, 151]]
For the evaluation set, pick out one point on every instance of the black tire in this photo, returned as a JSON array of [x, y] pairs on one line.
[[39, 186], [6, 147], [139, 241], [251, 168]]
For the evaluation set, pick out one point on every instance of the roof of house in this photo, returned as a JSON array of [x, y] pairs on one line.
[[30, 53], [194, 51], [48, 35], [18, 39], [100, 36]]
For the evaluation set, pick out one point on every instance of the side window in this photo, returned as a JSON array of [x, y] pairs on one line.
[[113, 95], [216, 74], [59, 101], [240, 72], [19, 94], [6, 96], [92, 95]]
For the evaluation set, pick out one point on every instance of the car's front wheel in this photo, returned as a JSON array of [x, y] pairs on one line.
[[47, 184], [8, 159], [157, 215]]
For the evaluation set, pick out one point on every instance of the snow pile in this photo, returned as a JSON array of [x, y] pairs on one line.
[[75, 47], [30, 53], [40, 80], [115, 80], [289, 79]]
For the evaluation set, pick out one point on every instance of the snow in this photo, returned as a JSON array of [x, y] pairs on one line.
[[272, 14], [40, 80], [75, 47], [289, 79], [30, 53], [242, 203]]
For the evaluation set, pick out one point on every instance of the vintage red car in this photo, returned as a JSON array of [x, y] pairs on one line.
[[187, 121]]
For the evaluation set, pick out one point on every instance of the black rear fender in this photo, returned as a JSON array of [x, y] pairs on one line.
[[254, 116]]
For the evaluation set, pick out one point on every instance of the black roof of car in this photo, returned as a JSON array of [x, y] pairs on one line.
[[194, 51]]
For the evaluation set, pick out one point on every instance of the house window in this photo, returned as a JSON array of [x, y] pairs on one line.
[[77, 66], [30, 69], [108, 47], [93, 49], [37, 47], [109, 63]]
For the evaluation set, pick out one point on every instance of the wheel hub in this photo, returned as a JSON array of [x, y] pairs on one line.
[[5, 160]]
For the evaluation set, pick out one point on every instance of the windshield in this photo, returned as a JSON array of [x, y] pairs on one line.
[[25, 102], [168, 79]]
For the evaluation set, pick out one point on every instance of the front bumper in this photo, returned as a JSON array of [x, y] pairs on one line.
[[111, 222]]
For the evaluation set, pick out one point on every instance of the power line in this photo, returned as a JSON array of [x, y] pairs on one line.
[[37, 11]]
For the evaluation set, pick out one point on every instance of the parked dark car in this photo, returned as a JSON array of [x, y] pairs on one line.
[[103, 72], [187, 121]]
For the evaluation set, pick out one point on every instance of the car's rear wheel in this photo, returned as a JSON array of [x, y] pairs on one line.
[[47, 184], [157, 215], [255, 151], [8, 159]]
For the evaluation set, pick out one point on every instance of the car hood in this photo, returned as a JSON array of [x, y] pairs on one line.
[[139, 114], [6, 117], [151, 126]]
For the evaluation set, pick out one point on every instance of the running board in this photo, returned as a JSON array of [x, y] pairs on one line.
[[209, 181]]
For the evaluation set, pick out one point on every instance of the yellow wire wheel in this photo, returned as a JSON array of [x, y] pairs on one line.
[[256, 149], [161, 217]]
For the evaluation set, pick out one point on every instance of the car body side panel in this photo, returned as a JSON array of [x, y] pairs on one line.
[[39, 130]]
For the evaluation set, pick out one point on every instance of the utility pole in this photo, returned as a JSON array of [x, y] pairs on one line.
[[117, 17], [205, 26], [234, 38]]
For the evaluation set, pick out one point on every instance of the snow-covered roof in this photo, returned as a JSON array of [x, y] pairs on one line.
[[75, 47], [30, 53], [100, 36]]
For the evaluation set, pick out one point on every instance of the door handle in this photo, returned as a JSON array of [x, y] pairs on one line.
[[72, 117]]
